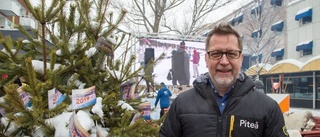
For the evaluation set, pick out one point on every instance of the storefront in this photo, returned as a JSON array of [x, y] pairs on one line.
[[300, 80]]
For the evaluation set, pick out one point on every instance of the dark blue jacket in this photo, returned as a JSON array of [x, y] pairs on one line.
[[164, 95]]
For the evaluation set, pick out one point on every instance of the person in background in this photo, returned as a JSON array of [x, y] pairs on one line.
[[223, 102], [259, 86], [174, 79], [195, 61], [163, 95], [180, 65]]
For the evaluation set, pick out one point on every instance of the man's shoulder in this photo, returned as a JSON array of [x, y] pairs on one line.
[[188, 94], [178, 54]]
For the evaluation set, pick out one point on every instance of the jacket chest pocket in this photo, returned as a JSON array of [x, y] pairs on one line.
[[244, 127]]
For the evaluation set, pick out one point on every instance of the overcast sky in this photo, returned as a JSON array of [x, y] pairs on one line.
[[219, 13], [214, 16]]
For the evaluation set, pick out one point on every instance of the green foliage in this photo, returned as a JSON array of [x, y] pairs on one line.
[[75, 32]]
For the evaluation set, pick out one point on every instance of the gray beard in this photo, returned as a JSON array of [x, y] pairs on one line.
[[222, 84]]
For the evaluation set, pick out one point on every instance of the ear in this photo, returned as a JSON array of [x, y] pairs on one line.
[[241, 59]]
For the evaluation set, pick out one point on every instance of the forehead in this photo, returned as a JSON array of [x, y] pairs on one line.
[[229, 39], [223, 42]]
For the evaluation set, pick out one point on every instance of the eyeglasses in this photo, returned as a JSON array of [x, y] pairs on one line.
[[231, 54]]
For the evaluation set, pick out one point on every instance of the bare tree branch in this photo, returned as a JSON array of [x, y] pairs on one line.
[[266, 41], [200, 10], [158, 16]]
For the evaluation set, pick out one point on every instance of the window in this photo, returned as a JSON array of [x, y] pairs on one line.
[[305, 20], [298, 87], [8, 23], [304, 16], [305, 48], [237, 23], [278, 26], [279, 58], [278, 54], [256, 35], [23, 12], [236, 20], [318, 86], [254, 57], [276, 3], [232, 23], [305, 52], [277, 33], [256, 10]]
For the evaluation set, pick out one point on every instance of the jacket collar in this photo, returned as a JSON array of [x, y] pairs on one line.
[[241, 87]]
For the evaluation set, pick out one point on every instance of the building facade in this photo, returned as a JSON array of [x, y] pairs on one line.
[[281, 46], [298, 74], [14, 12], [261, 25]]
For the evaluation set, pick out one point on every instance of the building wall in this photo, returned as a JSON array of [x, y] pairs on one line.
[[299, 33], [293, 33], [270, 41], [300, 85], [24, 12]]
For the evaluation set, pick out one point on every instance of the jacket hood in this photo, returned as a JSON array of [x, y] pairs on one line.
[[194, 51], [258, 84], [243, 85]]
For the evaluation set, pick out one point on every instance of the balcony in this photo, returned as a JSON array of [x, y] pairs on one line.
[[4, 23], [9, 8], [28, 23]]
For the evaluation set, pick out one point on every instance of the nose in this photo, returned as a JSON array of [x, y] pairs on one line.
[[224, 60]]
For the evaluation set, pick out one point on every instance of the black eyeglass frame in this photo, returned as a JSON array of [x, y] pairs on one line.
[[227, 53]]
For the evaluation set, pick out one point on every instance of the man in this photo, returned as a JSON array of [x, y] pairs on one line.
[[180, 65], [223, 102], [163, 95], [174, 79]]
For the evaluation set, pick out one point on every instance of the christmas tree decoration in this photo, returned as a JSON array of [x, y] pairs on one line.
[[72, 70]]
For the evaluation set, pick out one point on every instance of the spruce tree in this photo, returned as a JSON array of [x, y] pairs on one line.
[[73, 29]]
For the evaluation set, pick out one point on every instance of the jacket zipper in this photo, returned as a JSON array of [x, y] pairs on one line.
[[231, 125]]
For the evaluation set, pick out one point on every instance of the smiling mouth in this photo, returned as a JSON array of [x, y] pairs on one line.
[[224, 71]]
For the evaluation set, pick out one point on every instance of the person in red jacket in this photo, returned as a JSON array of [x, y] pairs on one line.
[[195, 61]]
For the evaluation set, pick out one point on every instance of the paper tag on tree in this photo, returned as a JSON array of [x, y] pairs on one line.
[[82, 98]]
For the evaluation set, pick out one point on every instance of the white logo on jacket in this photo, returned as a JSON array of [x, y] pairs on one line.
[[247, 124]]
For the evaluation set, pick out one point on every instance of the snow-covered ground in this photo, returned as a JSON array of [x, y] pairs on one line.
[[315, 112]]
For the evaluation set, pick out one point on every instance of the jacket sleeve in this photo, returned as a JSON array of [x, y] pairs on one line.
[[186, 66], [171, 125], [275, 126], [158, 97], [170, 94]]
